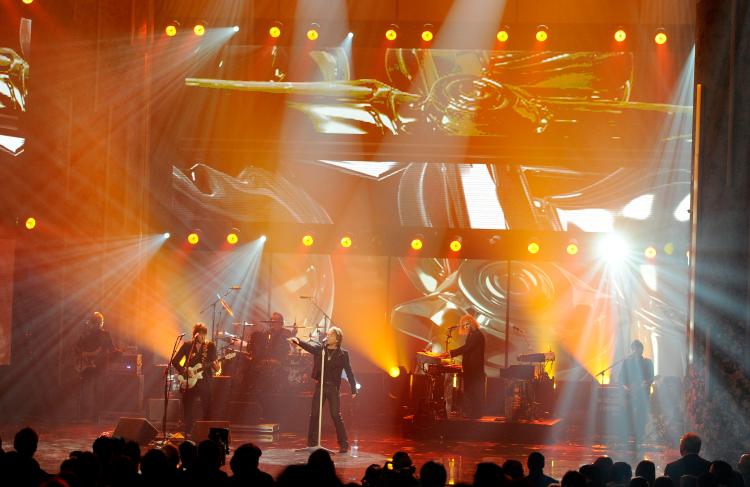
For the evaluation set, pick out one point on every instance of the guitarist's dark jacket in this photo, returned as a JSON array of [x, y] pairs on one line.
[[205, 354]]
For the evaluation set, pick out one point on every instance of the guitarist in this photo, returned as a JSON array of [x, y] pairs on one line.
[[636, 376], [196, 363], [92, 350]]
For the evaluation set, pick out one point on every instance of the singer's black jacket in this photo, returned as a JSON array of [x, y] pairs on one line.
[[337, 360], [473, 353]]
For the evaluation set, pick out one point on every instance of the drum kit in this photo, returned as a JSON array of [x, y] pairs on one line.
[[263, 361]]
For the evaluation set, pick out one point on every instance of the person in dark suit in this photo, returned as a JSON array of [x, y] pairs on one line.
[[691, 463], [473, 364], [336, 361]]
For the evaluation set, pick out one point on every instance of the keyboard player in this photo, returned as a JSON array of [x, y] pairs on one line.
[[473, 364]]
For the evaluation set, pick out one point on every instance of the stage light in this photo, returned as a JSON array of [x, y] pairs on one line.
[[171, 28], [194, 237], [350, 35], [233, 236], [236, 28], [275, 30], [392, 33], [660, 37], [503, 35], [30, 223], [614, 249], [669, 248], [346, 242], [199, 29], [541, 33], [28, 2], [308, 240], [455, 244], [650, 252], [416, 243], [572, 248], [313, 32], [166, 235], [533, 248], [620, 35], [427, 34], [263, 238], [394, 372]]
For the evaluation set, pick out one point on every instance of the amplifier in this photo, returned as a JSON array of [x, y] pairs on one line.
[[156, 410], [126, 363]]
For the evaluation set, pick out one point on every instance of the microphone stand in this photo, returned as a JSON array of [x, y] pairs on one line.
[[327, 320], [213, 312], [613, 365], [166, 389]]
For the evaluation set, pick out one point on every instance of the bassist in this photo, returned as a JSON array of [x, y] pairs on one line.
[[92, 350], [196, 363]]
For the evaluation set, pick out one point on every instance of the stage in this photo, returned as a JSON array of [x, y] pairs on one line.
[[374, 446]]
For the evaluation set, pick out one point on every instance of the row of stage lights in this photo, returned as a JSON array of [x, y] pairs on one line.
[[613, 245], [276, 30], [541, 34]]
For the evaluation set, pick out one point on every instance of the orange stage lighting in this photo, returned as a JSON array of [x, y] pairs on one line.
[[171, 29], [199, 30], [30, 223], [416, 243], [650, 252], [660, 37], [233, 236], [427, 34], [391, 34], [313, 32], [541, 33], [394, 372], [620, 35], [275, 31], [455, 244], [193, 238], [572, 248], [503, 36], [346, 242], [28, 2], [308, 240], [533, 248]]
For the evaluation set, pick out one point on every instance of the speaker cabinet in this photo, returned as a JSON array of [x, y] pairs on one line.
[[201, 429], [156, 410], [139, 430]]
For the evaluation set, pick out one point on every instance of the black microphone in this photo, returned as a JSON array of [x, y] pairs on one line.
[[235, 288], [180, 335], [305, 297], [453, 327]]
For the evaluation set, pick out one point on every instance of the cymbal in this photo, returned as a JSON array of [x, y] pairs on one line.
[[268, 321], [299, 327]]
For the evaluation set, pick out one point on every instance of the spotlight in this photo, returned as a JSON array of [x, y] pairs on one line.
[[233, 236], [541, 33], [427, 34], [620, 35], [572, 248], [669, 248], [660, 37], [350, 35], [171, 28], [30, 223], [650, 252], [455, 244], [28, 2], [503, 35], [346, 241], [194, 237], [275, 30], [199, 29], [416, 243], [166, 235], [614, 249], [392, 33], [533, 248], [263, 238], [394, 372], [308, 240], [236, 28], [313, 31]]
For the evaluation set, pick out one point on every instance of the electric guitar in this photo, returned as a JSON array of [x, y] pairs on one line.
[[195, 373], [90, 360]]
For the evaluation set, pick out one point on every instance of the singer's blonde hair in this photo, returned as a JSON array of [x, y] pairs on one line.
[[339, 334]]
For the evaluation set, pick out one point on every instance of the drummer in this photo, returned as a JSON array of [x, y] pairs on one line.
[[272, 344]]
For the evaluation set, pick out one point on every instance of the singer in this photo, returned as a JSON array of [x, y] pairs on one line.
[[636, 376], [473, 365], [196, 363], [337, 360]]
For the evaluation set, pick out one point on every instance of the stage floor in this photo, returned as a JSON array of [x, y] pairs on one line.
[[459, 457]]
